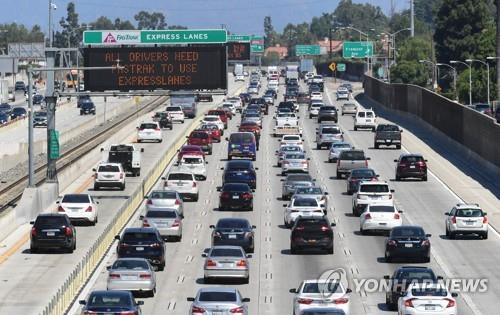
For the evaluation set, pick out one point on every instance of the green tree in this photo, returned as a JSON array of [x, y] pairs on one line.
[[408, 69], [177, 27], [72, 31], [102, 23], [479, 86], [150, 21], [123, 25], [18, 33], [360, 16], [409, 72], [269, 32], [320, 26]]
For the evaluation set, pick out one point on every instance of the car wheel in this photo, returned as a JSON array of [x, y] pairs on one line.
[[447, 233], [427, 259], [424, 178], [161, 267], [362, 231], [398, 147], [310, 116], [229, 158], [122, 187], [355, 128], [390, 306], [33, 250], [70, 250], [293, 250], [152, 292], [96, 187], [139, 141], [93, 223], [451, 235], [398, 178], [254, 158], [339, 175], [330, 161], [207, 280], [485, 235], [196, 197], [160, 141], [376, 146], [246, 280], [329, 250], [171, 128], [182, 121], [388, 258], [318, 146]]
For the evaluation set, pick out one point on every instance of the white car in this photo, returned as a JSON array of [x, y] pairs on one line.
[[239, 77], [149, 131], [79, 207], [294, 162], [317, 79], [194, 164], [427, 299], [335, 149], [273, 85], [292, 140], [365, 119], [309, 77], [230, 107], [176, 113], [313, 192], [371, 193], [287, 149], [466, 219], [379, 218], [109, 175], [213, 119], [236, 101], [316, 96], [302, 207], [319, 294], [287, 119], [342, 94], [165, 199], [184, 183], [314, 109]]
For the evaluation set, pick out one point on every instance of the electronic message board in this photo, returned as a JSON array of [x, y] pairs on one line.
[[238, 51], [156, 68]]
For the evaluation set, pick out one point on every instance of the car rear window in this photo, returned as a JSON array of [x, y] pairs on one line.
[[469, 213], [109, 299], [121, 148], [407, 232], [236, 187], [361, 114], [211, 118], [330, 287], [138, 236], [341, 145], [241, 138], [109, 168], [174, 109], [295, 156], [290, 149], [387, 128], [309, 191], [412, 159], [369, 114], [132, 264], [291, 138], [352, 155], [198, 135], [180, 176], [328, 108], [76, 198], [377, 188], [416, 275], [330, 130], [191, 161], [163, 195], [232, 224], [305, 202], [362, 173], [148, 126], [381, 209], [50, 220], [167, 214], [217, 297], [299, 177], [226, 252], [426, 291]]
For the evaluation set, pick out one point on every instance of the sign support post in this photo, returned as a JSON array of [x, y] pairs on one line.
[[50, 100]]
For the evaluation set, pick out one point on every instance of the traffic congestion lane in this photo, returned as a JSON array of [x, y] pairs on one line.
[[31, 280]]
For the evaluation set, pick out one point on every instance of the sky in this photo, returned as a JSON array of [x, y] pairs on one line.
[[239, 16]]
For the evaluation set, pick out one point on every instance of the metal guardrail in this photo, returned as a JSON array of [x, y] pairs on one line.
[[69, 291]]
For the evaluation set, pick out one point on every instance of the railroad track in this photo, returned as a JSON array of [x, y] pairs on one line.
[[13, 192]]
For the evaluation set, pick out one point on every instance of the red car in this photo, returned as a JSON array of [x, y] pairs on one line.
[[221, 113], [229, 114], [250, 126], [201, 138], [411, 165], [214, 131], [190, 150]]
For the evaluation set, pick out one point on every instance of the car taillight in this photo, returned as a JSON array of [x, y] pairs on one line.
[[33, 231], [409, 303], [341, 301], [421, 164], [225, 195], [60, 209], [368, 216], [123, 245], [247, 196], [149, 202], [157, 129], [114, 276], [145, 223], [391, 243], [128, 313], [325, 228], [89, 313], [454, 220], [485, 220], [451, 303], [155, 245], [89, 209], [121, 175], [194, 184], [211, 263], [236, 310], [241, 263], [396, 216], [304, 301], [402, 165], [145, 276], [217, 234], [304, 162], [426, 243], [176, 223], [68, 231], [299, 228], [286, 162], [197, 310], [366, 163]]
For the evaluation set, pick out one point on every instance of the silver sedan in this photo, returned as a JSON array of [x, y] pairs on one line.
[[132, 274], [313, 192], [294, 162], [218, 300], [226, 262], [167, 221], [165, 199]]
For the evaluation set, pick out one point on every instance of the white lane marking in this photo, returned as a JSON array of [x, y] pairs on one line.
[[203, 213], [180, 279], [171, 305], [189, 259], [194, 241]]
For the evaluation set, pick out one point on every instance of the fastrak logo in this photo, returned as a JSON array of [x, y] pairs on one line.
[[109, 38]]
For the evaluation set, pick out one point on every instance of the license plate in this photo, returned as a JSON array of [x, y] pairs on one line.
[[239, 173], [217, 313], [312, 241], [430, 307], [412, 166], [368, 120], [408, 245], [51, 233], [236, 197], [139, 249], [382, 223], [469, 222], [232, 236], [387, 140], [129, 277]]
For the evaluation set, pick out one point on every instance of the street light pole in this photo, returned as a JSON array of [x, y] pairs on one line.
[[470, 61], [454, 78], [470, 77]]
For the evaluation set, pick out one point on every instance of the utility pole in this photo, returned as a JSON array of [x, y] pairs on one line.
[[412, 19]]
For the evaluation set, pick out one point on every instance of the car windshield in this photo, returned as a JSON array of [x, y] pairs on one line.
[[381, 209], [469, 213], [215, 296], [180, 176], [416, 275], [40, 114], [236, 187], [387, 128], [163, 195], [376, 188], [50, 221], [186, 160], [138, 236], [109, 168], [252, 115], [295, 156], [232, 224], [226, 252], [407, 232], [130, 264], [174, 109], [370, 114], [309, 191], [305, 202], [147, 126], [167, 214], [245, 138], [330, 130], [76, 198], [315, 287], [341, 146], [426, 291], [198, 135], [109, 299], [352, 155]]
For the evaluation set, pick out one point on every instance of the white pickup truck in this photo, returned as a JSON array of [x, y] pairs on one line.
[[287, 120], [279, 131]]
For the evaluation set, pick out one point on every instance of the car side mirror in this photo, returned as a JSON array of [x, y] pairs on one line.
[[440, 277], [426, 161], [249, 255], [82, 302], [142, 150], [325, 193], [141, 217], [117, 237], [386, 277], [377, 175], [102, 149], [392, 190], [400, 211], [140, 302], [206, 162], [219, 188], [428, 235], [137, 128], [245, 300], [32, 222], [348, 290], [227, 139], [212, 226], [204, 255], [446, 213], [401, 131], [58, 202], [282, 180], [333, 224], [164, 178], [368, 158], [454, 295], [256, 168], [395, 161], [485, 213], [284, 205], [292, 290], [94, 170]]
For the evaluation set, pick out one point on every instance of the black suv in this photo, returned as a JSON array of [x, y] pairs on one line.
[[310, 232], [240, 171], [144, 243], [387, 134], [20, 86], [328, 113], [87, 108], [82, 99], [52, 230], [234, 232], [402, 278]]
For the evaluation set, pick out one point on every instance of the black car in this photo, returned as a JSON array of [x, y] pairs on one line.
[[357, 176], [315, 87], [245, 98], [165, 121], [288, 105], [40, 119], [237, 196], [5, 108], [411, 165], [20, 86], [402, 278], [234, 232], [240, 171], [262, 103], [408, 241], [113, 302], [82, 99], [87, 108], [4, 118], [328, 113], [142, 243], [310, 233], [37, 99], [272, 93], [18, 112], [52, 230], [387, 134]]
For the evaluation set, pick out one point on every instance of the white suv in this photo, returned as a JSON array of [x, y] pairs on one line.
[[194, 164], [109, 175], [176, 113], [365, 119], [149, 131], [183, 182], [466, 219], [371, 193], [78, 207]]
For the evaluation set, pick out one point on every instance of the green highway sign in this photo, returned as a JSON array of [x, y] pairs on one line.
[[54, 144], [154, 37], [302, 50], [357, 49], [341, 67], [257, 44], [238, 38]]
